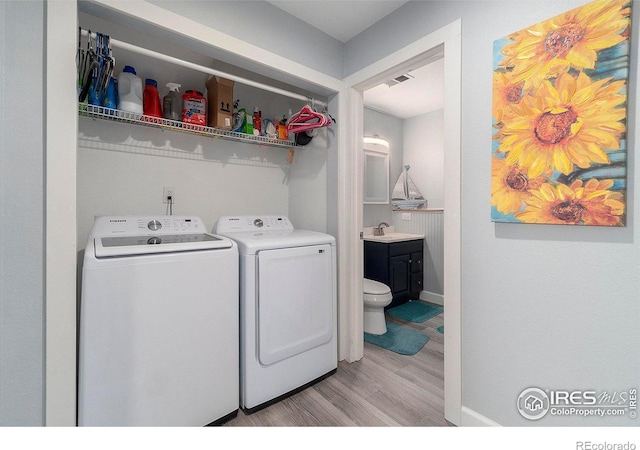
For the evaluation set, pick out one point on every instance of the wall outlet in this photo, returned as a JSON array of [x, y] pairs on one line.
[[169, 192], [406, 216]]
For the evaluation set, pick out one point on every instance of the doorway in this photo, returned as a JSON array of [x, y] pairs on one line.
[[417, 54], [407, 111]]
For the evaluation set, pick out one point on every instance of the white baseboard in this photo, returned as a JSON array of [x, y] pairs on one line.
[[432, 297], [470, 418]]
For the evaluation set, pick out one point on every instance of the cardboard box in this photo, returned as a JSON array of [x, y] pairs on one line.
[[220, 103]]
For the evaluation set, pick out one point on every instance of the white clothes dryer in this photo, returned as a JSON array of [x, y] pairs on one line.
[[288, 302], [158, 326]]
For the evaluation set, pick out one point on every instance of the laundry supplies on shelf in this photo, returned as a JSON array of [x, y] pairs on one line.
[[194, 108], [130, 91], [110, 99], [126, 99], [257, 121], [172, 103], [282, 129], [151, 99], [220, 103], [95, 66]]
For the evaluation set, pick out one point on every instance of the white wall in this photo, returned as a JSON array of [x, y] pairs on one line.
[[546, 306], [268, 27], [21, 214], [122, 169], [424, 152], [308, 205]]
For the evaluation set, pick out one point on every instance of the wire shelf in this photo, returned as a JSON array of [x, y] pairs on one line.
[[116, 115]]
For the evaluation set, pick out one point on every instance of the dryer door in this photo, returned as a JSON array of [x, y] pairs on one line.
[[295, 301]]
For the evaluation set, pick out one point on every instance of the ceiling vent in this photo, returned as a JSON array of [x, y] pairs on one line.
[[398, 80]]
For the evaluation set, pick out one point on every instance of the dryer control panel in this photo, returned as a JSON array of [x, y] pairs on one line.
[[234, 224]]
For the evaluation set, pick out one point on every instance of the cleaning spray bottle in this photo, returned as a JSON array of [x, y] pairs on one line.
[[257, 121], [172, 103]]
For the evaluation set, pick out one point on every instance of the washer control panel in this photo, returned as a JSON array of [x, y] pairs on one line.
[[139, 225], [233, 224]]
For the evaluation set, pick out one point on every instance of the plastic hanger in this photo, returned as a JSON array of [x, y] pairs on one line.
[[307, 119]]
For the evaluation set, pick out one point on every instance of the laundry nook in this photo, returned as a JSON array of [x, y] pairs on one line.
[[259, 218]]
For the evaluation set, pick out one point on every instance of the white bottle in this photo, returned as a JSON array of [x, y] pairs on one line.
[[130, 91]]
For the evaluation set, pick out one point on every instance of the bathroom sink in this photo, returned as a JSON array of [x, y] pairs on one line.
[[393, 237]]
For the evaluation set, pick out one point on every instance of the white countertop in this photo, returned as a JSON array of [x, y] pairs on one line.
[[389, 236]]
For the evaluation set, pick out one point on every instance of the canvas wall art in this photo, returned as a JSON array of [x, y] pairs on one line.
[[559, 153]]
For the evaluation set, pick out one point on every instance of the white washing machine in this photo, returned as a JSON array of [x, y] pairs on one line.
[[288, 318], [158, 331]]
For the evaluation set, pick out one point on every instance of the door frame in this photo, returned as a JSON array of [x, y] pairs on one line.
[[418, 53]]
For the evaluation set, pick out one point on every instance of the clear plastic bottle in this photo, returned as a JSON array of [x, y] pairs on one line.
[[172, 103], [130, 90]]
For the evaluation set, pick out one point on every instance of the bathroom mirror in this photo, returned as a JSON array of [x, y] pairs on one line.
[[376, 174]]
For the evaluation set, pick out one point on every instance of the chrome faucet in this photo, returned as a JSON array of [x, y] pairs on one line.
[[379, 230]]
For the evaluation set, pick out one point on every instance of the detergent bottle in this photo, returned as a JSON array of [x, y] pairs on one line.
[[130, 90], [151, 100]]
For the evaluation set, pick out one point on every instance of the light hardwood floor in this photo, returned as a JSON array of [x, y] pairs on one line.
[[382, 389]]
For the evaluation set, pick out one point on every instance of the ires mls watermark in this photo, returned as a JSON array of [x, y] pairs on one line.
[[535, 403]]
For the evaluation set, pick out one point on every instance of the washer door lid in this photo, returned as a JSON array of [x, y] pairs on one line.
[[114, 246]]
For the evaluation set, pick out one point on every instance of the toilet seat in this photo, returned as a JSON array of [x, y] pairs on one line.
[[375, 287], [376, 294]]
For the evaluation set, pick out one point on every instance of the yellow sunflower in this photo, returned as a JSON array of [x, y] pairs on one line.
[[505, 93], [570, 40], [564, 125], [510, 186], [591, 204]]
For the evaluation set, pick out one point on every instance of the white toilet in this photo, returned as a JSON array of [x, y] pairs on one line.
[[376, 296]]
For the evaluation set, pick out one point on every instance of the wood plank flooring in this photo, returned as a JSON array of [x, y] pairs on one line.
[[382, 389]]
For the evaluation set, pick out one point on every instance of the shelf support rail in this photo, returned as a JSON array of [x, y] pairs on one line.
[[161, 56]]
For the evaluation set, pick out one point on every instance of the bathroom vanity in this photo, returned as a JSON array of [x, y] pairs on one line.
[[397, 261]]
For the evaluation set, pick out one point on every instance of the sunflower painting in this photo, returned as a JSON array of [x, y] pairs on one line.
[[559, 119]]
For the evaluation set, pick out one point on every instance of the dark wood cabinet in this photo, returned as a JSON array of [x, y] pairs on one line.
[[398, 265]]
